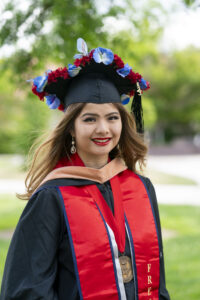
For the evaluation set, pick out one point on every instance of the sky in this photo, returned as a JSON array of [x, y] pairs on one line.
[[181, 27], [180, 30]]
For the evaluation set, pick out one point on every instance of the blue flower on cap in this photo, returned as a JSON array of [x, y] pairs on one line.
[[73, 70], [82, 48], [125, 99], [52, 101], [143, 84], [40, 81], [103, 55], [124, 71]]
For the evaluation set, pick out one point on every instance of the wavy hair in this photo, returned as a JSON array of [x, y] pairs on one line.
[[42, 159]]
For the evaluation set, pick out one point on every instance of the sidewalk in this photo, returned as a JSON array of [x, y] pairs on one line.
[[183, 165], [11, 186], [186, 166], [178, 194]]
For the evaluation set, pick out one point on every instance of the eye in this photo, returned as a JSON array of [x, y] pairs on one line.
[[89, 120], [113, 118]]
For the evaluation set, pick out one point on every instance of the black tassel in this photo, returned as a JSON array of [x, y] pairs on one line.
[[136, 108]]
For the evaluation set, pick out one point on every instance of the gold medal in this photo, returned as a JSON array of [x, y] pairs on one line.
[[126, 267]]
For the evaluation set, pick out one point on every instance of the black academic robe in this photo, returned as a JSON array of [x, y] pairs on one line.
[[39, 263]]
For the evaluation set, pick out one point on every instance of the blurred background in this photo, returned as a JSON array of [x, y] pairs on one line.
[[160, 40]]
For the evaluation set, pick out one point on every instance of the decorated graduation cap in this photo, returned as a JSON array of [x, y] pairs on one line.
[[98, 76]]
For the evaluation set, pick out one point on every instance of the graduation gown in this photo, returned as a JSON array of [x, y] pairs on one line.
[[39, 262]]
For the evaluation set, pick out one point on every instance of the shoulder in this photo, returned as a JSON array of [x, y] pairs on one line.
[[47, 196], [47, 193], [147, 184], [44, 195], [43, 205], [146, 181], [150, 191], [149, 187], [41, 221]]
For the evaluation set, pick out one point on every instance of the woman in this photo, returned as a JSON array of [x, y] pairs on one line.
[[91, 228]]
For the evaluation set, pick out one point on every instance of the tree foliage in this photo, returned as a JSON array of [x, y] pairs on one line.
[[192, 3], [21, 118], [54, 26], [176, 92]]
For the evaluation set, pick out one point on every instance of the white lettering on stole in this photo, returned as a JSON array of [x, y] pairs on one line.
[[148, 268], [149, 280]]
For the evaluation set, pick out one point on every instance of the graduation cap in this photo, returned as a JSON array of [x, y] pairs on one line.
[[98, 76]]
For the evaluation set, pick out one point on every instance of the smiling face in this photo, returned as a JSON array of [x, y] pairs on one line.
[[97, 131]]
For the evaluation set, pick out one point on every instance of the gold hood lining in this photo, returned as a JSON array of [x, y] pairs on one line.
[[102, 175]]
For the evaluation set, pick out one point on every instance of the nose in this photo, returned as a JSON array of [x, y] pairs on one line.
[[102, 127]]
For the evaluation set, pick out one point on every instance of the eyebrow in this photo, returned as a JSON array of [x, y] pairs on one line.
[[96, 115]]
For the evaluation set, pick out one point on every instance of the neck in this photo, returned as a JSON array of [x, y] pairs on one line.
[[96, 162]]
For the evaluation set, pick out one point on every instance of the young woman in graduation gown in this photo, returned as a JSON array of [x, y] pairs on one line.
[[91, 227]]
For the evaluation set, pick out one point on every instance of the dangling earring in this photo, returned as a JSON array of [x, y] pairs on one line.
[[73, 148]]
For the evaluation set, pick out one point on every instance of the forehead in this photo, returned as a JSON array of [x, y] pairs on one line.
[[99, 108]]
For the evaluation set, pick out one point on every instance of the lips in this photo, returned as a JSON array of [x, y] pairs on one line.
[[101, 141], [105, 138]]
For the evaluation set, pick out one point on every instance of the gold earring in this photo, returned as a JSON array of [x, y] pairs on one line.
[[73, 148]]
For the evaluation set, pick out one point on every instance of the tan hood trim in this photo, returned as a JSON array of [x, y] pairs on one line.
[[102, 175]]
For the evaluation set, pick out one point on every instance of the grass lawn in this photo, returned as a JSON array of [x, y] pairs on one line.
[[10, 210], [4, 244], [182, 263]]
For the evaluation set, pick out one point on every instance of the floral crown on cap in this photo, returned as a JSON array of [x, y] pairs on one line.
[[52, 85]]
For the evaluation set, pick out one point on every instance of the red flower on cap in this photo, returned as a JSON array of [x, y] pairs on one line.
[[60, 72], [118, 61], [39, 94]]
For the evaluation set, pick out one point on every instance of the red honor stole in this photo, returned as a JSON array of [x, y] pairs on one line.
[[96, 235]]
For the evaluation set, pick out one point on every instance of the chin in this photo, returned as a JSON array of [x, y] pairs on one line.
[[100, 152]]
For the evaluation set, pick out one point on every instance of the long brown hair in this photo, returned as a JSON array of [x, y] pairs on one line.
[[132, 147]]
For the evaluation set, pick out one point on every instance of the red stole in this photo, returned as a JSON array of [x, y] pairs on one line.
[[89, 221]]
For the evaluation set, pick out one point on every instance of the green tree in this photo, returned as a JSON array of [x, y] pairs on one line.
[[193, 3], [22, 118], [176, 93], [54, 27]]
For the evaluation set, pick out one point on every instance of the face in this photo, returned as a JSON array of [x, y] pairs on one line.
[[97, 130]]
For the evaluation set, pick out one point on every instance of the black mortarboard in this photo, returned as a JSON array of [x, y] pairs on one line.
[[95, 77]]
